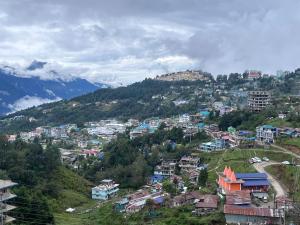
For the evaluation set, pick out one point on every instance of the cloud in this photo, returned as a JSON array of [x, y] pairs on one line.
[[29, 101], [132, 39]]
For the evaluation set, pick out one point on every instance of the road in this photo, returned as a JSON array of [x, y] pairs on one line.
[[260, 167]]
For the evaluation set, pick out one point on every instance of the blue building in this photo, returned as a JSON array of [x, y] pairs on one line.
[[156, 179], [254, 181], [215, 145], [120, 206], [105, 190]]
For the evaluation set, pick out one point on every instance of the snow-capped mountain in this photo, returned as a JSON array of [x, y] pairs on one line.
[[20, 89]]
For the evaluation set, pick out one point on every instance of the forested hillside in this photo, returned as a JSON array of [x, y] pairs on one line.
[[147, 99], [44, 185]]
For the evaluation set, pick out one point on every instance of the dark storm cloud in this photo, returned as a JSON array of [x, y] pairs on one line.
[[131, 39]]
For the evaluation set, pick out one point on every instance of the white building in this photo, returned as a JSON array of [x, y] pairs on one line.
[[105, 190], [266, 134]]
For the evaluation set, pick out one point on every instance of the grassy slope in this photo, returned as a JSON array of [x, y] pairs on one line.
[[74, 193], [164, 216], [237, 159], [287, 175]]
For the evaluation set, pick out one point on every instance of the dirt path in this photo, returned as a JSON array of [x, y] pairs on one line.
[[260, 167], [287, 151], [218, 163]]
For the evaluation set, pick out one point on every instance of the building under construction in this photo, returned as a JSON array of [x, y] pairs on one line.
[[258, 100], [6, 195]]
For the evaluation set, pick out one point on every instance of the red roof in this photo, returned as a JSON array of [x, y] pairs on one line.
[[251, 211]]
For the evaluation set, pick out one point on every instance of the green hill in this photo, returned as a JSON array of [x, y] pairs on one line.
[[146, 99]]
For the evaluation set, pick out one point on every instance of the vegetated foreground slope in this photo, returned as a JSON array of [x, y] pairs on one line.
[[44, 185]]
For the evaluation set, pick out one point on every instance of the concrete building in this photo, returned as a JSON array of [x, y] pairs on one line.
[[189, 163], [105, 190], [165, 169], [266, 134], [258, 100], [6, 195]]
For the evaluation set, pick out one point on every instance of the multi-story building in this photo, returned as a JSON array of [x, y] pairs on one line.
[[6, 195], [253, 74], [266, 134], [258, 100], [166, 168], [105, 190], [189, 163]]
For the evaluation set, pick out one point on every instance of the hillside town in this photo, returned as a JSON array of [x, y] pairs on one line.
[[243, 197]]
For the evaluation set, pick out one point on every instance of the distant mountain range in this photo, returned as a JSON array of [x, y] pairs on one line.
[[18, 91]]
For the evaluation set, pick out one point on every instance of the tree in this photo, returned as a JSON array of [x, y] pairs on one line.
[[169, 187], [177, 169], [202, 179]]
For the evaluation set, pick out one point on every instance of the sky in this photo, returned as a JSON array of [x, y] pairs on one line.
[[128, 40]]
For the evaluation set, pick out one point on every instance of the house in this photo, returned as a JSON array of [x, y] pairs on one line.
[[120, 206], [215, 145], [138, 200], [250, 215], [196, 118], [156, 179], [211, 129], [230, 181], [206, 204], [186, 199], [189, 163], [178, 181], [5, 195], [289, 132], [204, 114], [105, 190], [266, 134], [281, 116], [193, 176], [238, 198], [89, 153], [166, 168]]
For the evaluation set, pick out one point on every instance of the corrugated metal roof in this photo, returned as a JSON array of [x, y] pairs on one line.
[[251, 211], [251, 176], [238, 198], [208, 201], [249, 183]]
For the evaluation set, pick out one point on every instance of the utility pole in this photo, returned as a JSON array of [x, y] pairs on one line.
[[1, 212]]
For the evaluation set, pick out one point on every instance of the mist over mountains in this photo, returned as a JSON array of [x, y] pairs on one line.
[[35, 85]]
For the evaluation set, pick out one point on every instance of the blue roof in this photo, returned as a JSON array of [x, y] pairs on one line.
[[201, 125], [144, 125], [249, 183], [247, 176], [268, 126], [159, 200], [157, 177], [244, 132], [204, 113]]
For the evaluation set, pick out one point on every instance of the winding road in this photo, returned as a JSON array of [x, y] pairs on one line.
[[260, 167]]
